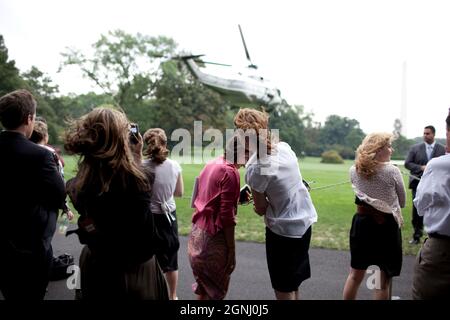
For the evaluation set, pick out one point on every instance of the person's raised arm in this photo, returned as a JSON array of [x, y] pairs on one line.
[[136, 150], [411, 165], [260, 203], [400, 188], [229, 239], [179, 187]]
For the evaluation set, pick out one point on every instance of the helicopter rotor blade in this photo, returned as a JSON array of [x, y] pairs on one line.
[[215, 63], [197, 58], [245, 47], [188, 56]]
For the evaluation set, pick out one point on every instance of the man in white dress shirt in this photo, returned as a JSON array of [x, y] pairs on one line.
[[432, 268]]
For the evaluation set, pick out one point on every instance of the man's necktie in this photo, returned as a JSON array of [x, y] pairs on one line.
[[429, 151]]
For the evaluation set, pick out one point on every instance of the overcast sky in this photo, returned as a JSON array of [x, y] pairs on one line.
[[332, 57]]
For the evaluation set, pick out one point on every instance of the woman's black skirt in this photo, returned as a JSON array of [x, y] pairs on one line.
[[167, 227], [287, 260], [376, 244]]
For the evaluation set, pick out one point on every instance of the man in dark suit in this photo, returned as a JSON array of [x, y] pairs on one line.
[[31, 192], [415, 162]]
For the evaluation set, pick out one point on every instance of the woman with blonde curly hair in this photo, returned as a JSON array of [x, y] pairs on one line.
[[375, 236], [112, 195]]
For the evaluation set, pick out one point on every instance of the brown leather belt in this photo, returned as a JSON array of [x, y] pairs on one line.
[[377, 215]]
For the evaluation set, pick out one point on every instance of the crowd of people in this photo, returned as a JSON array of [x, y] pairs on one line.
[[124, 195]]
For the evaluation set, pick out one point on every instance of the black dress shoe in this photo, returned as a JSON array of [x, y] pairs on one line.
[[414, 241]]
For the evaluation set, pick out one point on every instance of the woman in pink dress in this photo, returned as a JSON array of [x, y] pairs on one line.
[[211, 247]]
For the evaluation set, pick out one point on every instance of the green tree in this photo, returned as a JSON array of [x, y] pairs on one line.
[[354, 138], [289, 120], [336, 129], [401, 147], [341, 131], [313, 146], [74, 106], [40, 83], [10, 79], [44, 91], [124, 66]]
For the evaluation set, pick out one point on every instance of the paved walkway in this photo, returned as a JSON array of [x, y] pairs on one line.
[[250, 280]]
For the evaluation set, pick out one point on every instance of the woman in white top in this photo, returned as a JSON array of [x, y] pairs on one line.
[[279, 195], [375, 237], [167, 184]]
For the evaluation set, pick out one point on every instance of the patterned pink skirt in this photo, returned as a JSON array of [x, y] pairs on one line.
[[208, 259]]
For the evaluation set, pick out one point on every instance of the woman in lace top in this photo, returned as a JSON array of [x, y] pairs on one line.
[[375, 236]]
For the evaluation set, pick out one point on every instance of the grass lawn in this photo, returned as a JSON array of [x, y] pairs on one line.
[[335, 205]]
